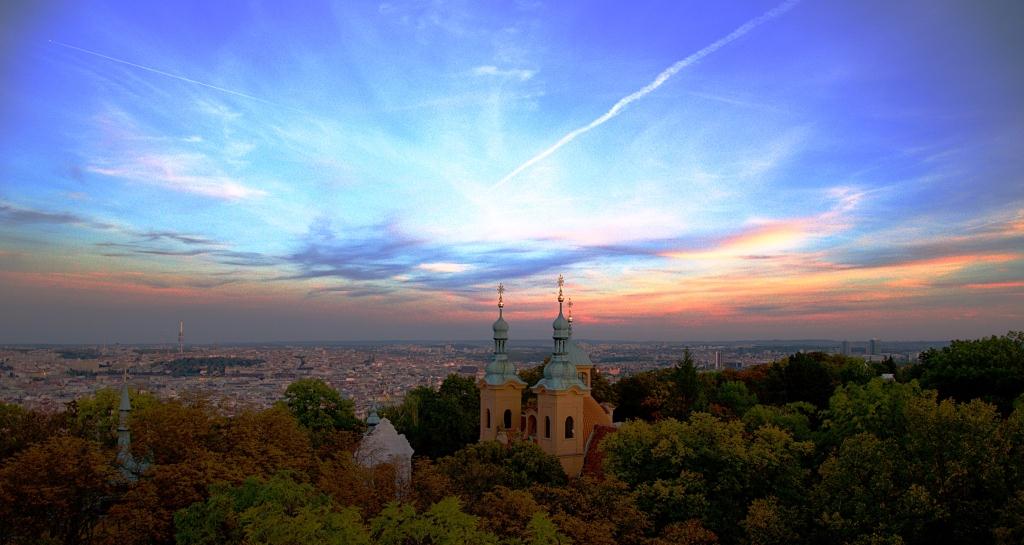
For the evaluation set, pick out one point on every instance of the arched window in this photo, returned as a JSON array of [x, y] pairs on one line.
[[547, 426], [508, 419], [531, 426], [569, 433], [488, 419]]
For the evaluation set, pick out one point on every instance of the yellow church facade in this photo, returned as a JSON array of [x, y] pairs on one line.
[[564, 419]]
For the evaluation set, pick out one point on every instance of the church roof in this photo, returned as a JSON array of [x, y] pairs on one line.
[[577, 356]]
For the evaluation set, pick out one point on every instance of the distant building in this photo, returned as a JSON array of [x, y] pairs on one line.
[[846, 348], [564, 421], [873, 347]]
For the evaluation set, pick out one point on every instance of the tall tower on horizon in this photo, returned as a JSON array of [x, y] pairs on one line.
[[181, 337]]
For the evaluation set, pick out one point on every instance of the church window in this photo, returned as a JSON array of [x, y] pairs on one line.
[[508, 419], [547, 426], [569, 433], [488, 419]]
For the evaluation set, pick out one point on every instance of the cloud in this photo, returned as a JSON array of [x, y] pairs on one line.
[[617, 108], [13, 215], [514, 73], [382, 252], [183, 172], [161, 72], [445, 268]]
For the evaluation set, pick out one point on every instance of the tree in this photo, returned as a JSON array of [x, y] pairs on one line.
[[443, 523], [95, 417], [439, 422], [685, 389], [990, 369], [53, 492], [707, 468], [21, 428], [594, 512], [735, 396], [480, 467], [275, 511], [262, 443], [642, 395], [801, 377], [877, 407], [600, 389], [320, 408], [796, 418]]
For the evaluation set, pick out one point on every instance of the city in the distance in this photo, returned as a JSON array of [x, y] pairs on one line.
[[529, 272]]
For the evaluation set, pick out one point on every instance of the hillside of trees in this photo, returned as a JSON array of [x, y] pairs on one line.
[[815, 448]]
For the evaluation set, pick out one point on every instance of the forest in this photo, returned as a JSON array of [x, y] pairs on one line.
[[814, 448]]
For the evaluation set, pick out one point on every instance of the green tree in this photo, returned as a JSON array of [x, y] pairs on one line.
[[439, 422], [707, 468], [481, 467], [878, 407], [320, 408], [275, 511], [991, 369], [601, 390], [95, 417], [735, 396], [801, 377], [796, 418], [444, 523]]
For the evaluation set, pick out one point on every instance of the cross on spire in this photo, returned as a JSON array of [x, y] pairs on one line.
[[561, 282], [501, 293], [570, 310]]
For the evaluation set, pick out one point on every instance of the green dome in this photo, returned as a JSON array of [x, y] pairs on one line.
[[500, 328]]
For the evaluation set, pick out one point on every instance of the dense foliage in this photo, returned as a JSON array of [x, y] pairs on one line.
[[439, 422], [814, 448]]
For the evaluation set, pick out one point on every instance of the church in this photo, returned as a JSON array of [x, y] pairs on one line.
[[566, 418]]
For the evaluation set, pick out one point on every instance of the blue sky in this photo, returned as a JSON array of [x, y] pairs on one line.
[[372, 170]]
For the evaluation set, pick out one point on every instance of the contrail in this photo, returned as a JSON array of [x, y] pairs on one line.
[[647, 89], [162, 73]]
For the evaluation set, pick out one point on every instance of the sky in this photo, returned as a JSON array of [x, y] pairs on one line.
[[372, 170]]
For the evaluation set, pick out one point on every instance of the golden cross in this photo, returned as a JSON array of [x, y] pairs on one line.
[[501, 292], [561, 282]]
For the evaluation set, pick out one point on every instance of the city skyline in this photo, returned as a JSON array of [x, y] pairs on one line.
[[755, 170]]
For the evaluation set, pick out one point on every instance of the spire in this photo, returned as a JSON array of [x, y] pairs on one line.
[[124, 434], [569, 319], [559, 373], [501, 371]]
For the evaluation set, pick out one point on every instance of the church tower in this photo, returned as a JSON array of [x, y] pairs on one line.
[[501, 388], [560, 401]]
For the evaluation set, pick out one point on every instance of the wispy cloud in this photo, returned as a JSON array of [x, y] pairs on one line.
[[14, 215], [617, 108], [184, 172], [520, 74], [161, 72]]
